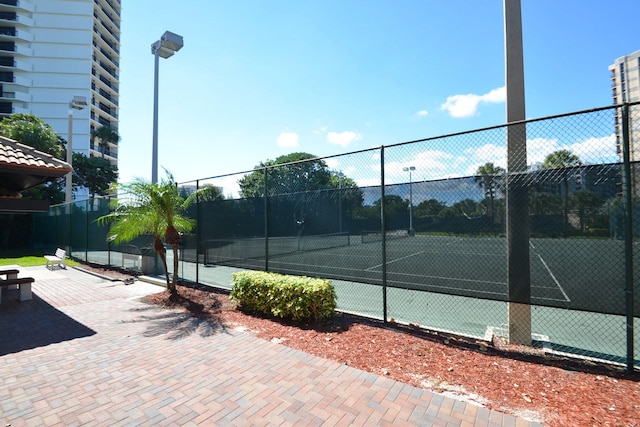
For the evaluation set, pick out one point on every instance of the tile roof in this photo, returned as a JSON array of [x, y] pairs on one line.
[[25, 158]]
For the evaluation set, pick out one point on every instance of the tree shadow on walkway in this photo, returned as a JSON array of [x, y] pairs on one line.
[[193, 317]]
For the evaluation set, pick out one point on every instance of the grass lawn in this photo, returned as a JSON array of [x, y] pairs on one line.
[[30, 261]]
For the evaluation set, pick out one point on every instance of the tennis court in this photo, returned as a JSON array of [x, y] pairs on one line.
[[582, 274]]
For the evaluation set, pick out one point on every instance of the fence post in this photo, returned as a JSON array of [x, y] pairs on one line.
[[266, 220], [106, 199], [69, 226], [198, 236], [88, 204], [628, 236], [383, 230]]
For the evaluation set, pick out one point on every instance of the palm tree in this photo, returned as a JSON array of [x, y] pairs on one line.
[[487, 176], [562, 159], [105, 135], [149, 208]]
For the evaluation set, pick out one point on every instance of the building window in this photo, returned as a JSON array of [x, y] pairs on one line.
[[8, 46], [7, 31], [8, 16]]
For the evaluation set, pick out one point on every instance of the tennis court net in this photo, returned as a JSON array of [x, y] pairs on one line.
[[376, 236], [227, 251]]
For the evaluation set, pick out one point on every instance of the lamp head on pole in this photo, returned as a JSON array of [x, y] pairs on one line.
[[409, 168], [78, 102], [168, 44]]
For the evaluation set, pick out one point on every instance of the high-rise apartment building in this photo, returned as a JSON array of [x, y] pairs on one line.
[[625, 78], [625, 83], [54, 50]]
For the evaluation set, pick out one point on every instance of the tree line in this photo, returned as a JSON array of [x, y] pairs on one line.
[[556, 211]]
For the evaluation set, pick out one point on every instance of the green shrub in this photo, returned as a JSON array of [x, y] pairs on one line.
[[289, 297]]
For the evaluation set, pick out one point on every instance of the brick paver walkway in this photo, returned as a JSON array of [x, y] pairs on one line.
[[86, 351]]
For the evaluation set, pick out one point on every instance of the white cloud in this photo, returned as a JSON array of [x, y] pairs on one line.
[[495, 96], [539, 148], [431, 164], [596, 150], [332, 163], [230, 186], [350, 170], [590, 150], [343, 138], [467, 105], [496, 154], [422, 113], [321, 129], [287, 139], [368, 182]]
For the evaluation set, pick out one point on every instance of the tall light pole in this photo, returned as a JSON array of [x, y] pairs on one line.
[[168, 44], [411, 230], [77, 103]]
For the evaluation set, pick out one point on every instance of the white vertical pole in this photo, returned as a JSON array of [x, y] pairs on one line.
[[154, 154], [68, 178], [410, 204]]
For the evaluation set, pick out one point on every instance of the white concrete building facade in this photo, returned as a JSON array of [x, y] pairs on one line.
[[625, 84], [53, 50]]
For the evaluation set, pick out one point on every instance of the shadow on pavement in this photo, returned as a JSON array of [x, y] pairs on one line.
[[178, 325], [30, 324]]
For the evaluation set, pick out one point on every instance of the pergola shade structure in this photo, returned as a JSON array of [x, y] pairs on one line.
[[23, 167]]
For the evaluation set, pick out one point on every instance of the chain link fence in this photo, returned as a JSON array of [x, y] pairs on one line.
[[453, 233]]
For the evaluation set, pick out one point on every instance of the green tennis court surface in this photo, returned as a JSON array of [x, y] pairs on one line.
[[581, 274]]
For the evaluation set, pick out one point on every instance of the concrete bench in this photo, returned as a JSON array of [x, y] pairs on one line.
[[58, 259], [12, 280], [11, 273]]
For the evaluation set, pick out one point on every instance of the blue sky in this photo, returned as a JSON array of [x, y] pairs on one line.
[[260, 79]]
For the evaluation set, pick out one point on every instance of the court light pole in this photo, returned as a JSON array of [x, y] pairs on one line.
[[168, 44], [410, 169], [77, 103]]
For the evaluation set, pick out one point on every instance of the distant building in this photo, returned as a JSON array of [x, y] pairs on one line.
[[53, 50], [625, 78], [603, 180], [625, 83]]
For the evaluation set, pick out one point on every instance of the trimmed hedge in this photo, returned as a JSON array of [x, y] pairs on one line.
[[289, 297]]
